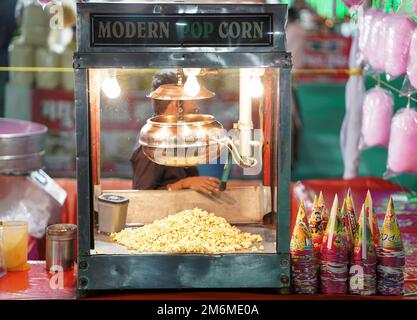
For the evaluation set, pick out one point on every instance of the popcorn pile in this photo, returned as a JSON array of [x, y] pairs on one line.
[[189, 231]]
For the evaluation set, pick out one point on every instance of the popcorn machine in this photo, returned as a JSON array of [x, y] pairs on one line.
[[228, 59]]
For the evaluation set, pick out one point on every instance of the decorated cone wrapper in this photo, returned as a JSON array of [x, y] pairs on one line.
[[391, 258], [346, 224], [373, 222], [316, 225], [301, 242], [364, 248], [302, 213], [390, 232], [335, 239], [322, 207], [350, 210], [363, 272]]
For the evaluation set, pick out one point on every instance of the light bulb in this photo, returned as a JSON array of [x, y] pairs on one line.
[[111, 87], [191, 86], [257, 88]]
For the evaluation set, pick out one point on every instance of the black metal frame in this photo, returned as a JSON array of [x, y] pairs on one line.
[[161, 271]]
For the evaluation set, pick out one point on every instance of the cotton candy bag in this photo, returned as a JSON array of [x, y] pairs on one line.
[[378, 55], [377, 111], [365, 26], [372, 47], [412, 59], [399, 31], [402, 155]]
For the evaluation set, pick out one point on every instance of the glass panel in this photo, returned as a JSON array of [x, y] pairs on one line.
[[170, 140]]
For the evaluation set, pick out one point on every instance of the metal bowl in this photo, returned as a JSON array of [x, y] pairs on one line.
[[175, 92], [18, 137], [21, 146], [190, 141]]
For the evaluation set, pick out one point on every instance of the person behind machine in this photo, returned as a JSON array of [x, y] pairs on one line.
[[148, 175]]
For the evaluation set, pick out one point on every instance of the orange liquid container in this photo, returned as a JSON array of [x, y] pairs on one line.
[[15, 245]]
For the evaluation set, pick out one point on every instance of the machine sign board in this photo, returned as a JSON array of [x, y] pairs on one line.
[[214, 30]]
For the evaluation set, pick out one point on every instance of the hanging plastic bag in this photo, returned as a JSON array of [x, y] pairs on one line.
[[412, 61], [415, 6], [373, 41], [402, 155], [399, 31], [365, 26], [379, 56], [377, 113]]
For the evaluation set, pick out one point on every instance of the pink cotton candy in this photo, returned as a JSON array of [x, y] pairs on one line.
[[380, 53], [415, 5], [376, 120], [399, 31], [412, 60], [365, 26], [402, 149], [373, 56]]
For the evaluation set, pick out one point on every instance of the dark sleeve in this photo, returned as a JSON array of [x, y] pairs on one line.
[[147, 175], [192, 172]]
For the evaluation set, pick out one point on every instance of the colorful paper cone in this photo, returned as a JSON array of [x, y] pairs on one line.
[[350, 210], [322, 207], [346, 224], [373, 221], [303, 267], [391, 257], [362, 276], [334, 254], [316, 225]]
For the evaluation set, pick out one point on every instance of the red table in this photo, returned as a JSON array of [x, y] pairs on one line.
[[36, 283]]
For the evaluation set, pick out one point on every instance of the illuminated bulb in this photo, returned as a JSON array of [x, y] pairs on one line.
[[257, 88], [191, 86], [111, 87]]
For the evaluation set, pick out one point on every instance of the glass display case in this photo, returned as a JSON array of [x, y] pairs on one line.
[[195, 87]]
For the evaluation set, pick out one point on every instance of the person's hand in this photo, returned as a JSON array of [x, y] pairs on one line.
[[203, 184]]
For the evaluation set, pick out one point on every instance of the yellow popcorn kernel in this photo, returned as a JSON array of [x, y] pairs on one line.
[[189, 231]]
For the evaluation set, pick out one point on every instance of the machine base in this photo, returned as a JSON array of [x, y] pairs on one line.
[[192, 271]]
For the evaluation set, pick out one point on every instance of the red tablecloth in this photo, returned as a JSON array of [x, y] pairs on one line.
[[36, 283]]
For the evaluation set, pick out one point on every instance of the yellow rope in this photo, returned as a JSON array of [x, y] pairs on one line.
[[352, 72], [355, 71], [36, 69]]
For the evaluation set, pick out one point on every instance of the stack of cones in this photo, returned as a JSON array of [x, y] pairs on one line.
[[303, 270], [334, 254], [363, 260], [391, 258]]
